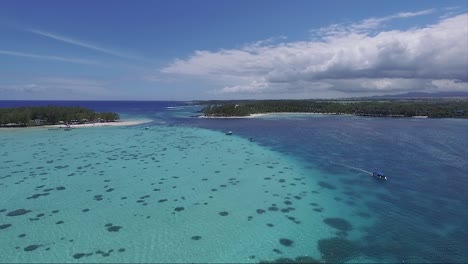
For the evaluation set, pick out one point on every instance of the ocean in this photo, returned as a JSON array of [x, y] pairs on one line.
[[285, 187]]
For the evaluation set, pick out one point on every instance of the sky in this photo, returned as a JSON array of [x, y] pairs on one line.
[[230, 49]]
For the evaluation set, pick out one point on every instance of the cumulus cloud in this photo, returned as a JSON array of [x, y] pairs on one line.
[[357, 59]]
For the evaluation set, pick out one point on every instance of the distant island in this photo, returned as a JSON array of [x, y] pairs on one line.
[[52, 115], [391, 108]]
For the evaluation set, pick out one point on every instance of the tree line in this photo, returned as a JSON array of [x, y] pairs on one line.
[[51, 115], [432, 109]]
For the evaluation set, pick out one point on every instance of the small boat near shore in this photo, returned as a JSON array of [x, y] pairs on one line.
[[229, 133], [67, 127]]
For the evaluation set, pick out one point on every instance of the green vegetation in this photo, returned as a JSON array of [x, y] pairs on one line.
[[433, 108], [51, 115]]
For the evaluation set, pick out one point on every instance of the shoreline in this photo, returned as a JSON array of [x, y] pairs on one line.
[[230, 117], [104, 124], [269, 114], [116, 123], [305, 113]]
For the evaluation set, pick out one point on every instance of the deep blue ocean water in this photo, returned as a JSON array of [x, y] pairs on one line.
[[320, 164]]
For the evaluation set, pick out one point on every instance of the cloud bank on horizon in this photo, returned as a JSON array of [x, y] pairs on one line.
[[340, 60]]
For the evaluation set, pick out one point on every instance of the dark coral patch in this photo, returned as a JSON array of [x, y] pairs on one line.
[[286, 242], [80, 255], [223, 213], [18, 212], [31, 247], [338, 223], [277, 251], [60, 188], [178, 209], [59, 222], [35, 196], [114, 228], [260, 211], [196, 237], [104, 254], [85, 210], [337, 250], [5, 226], [273, 208]]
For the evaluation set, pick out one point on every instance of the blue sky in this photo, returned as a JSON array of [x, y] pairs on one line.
[[189, 50]]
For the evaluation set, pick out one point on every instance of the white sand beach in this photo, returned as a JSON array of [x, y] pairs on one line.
[[116, 123], [230, 117], [269, 114]]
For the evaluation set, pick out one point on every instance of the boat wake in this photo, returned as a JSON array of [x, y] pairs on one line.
[[353, 168]]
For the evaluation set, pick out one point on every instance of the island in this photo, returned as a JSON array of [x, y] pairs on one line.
[[52, 115], [374, 108]]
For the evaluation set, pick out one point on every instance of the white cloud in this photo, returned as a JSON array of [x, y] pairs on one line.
[[46, 57], [254, 86], [366, 25], [428, 58]]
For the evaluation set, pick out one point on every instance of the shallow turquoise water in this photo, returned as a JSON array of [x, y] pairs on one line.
[[183, 191], [135, 179]]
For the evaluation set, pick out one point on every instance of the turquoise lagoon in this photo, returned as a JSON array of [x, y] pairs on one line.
[[180, 190]]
